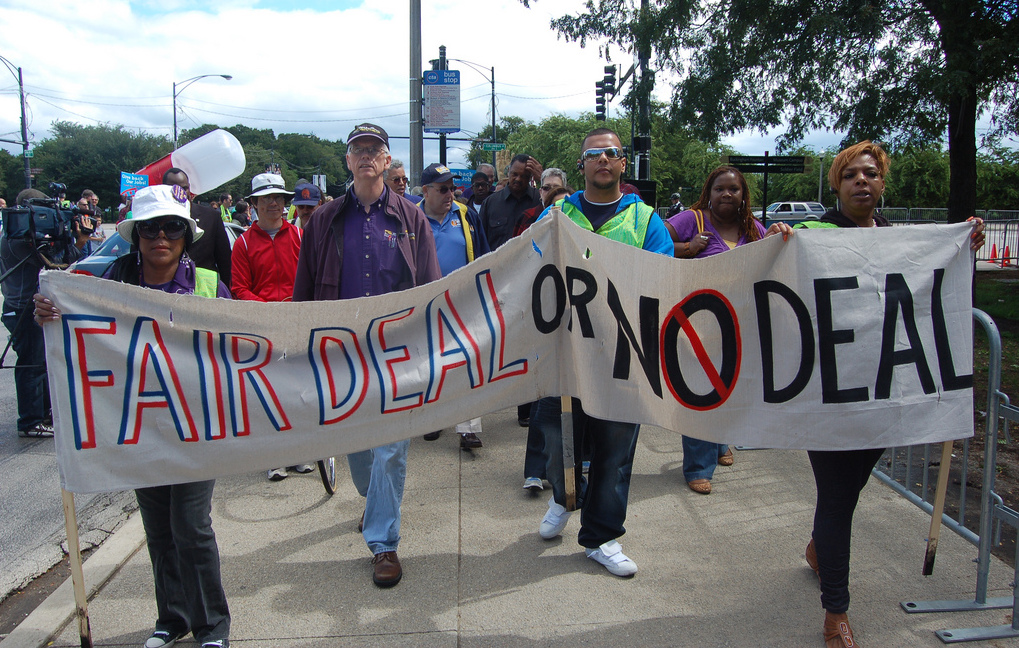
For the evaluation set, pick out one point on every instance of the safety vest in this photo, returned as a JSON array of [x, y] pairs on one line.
[[467, 230], [813, 224], [206, 283], [627, 226]]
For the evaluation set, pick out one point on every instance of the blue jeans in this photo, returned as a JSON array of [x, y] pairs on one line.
[[700, 458], [30, 369], [379, 475], [185, 559], [603, 496]]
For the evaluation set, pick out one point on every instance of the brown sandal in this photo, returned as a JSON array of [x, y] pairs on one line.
[[837, 633], [811, 556], [702, 486]]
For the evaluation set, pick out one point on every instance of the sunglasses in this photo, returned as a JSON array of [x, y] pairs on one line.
[[443, 189], [401, 179], [611, 152], [172, 229]]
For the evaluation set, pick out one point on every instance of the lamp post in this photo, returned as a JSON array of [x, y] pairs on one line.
[[491, 79], [24, 124], [184, 84]]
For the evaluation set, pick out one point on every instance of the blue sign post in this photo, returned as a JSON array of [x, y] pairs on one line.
[[442, 100]]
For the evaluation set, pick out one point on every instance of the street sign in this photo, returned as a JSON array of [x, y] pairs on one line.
[[493, 146], [30, 153], [35, 171], [775, 163], [442, 100]]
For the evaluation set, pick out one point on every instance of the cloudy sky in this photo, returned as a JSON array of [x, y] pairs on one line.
[[316, 66]]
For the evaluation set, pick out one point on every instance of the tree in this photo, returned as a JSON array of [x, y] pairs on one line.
[[893, 70], [507, 126], [92, 157]]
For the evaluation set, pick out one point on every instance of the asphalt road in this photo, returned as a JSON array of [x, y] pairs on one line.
[[32, 532]]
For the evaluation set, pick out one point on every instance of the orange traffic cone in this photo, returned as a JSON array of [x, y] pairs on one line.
[[1005, 261], [994, 253]]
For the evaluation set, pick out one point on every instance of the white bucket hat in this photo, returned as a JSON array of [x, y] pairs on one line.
[[268, 183], [157, 201]]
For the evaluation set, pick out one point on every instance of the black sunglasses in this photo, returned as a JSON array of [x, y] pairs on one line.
[[173, 229]]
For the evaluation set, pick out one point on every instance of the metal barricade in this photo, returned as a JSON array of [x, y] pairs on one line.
[[992, 509]]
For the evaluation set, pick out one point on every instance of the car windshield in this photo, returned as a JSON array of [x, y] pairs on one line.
[[114, 246], [773, 207]]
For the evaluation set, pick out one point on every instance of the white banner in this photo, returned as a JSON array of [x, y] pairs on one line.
[[835, 339]]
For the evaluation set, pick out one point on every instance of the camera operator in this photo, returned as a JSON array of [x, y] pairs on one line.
[[21, 260]]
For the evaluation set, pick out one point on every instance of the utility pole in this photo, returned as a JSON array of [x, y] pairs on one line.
[[24, 133], [642, 143], [417, 152], [441, 65]]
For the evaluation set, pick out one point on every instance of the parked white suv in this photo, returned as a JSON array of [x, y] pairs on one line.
[[795, 211]]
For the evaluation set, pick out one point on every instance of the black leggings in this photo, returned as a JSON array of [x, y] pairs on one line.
[[839, 476]]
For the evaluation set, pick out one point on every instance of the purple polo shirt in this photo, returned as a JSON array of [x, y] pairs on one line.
[[372, 263]]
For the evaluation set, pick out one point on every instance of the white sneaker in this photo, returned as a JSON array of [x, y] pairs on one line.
[[554, 521], [303, 469], [612, 557], [533, 484], [277, 474]]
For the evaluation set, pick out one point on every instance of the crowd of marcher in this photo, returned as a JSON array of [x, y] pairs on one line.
[[379, 238]]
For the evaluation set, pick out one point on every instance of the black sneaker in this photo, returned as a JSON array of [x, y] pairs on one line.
[[163, 639]]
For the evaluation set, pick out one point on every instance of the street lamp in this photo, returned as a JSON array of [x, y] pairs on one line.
[[184, 84], [24, 124], [478, 68]]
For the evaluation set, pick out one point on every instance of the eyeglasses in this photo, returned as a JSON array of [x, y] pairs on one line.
[[401, 179], [611, 152], [172, 229], [267, 198], [370, 151], [443, 189]]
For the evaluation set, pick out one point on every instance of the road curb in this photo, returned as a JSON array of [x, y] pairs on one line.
[[58, 609]]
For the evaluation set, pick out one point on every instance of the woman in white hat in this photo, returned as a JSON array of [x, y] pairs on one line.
[[177, 520]]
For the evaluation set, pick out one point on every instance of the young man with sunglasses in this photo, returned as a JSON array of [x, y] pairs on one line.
[[603, 496], [370, 242], [264, 260], [459, 239]]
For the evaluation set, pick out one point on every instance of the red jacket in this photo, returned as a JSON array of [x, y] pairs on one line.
[[263, 268]]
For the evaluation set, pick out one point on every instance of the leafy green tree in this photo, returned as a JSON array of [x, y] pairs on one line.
[[880, 69], [92, 157], [998, 179], [919, 177], [507, 126]]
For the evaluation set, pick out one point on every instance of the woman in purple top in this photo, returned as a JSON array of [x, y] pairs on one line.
[[719, 221]]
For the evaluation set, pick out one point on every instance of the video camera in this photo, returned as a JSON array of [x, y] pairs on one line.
[[42, 220]]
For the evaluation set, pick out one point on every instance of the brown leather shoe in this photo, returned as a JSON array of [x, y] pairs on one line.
[[470, 441], [811, 555], [837, 633], [727, 459], [702, 486], [387, 569]]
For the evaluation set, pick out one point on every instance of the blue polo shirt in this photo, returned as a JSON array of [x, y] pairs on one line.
[[450, 244]]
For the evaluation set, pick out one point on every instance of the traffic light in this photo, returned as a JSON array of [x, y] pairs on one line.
[[599, 100], [610, 80]]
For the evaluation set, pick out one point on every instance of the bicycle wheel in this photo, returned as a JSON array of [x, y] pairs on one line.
[[327, 470]]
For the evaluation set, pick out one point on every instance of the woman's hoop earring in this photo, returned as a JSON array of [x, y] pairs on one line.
[[742, 205], [709, 205]]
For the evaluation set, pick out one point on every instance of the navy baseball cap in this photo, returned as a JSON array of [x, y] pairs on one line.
[[306, 194], [369, 130], [435, 173]]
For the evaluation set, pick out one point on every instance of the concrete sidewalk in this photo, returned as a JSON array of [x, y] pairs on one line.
[[719, 570]]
